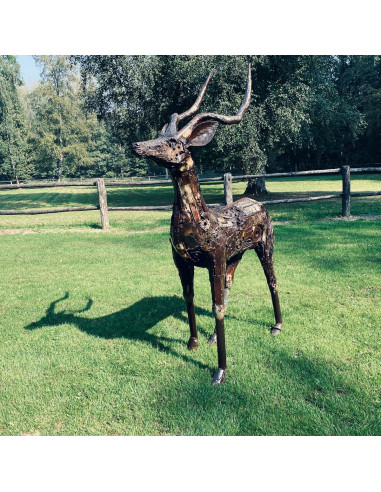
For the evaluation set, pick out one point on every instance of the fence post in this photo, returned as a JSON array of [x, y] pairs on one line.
[[346, 197], [102, 196], [228, 188]]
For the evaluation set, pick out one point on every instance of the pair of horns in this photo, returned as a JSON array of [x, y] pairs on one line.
[[225, 120]]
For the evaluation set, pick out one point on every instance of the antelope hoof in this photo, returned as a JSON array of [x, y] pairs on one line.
[[219, 376], [192, 343], [276, 329], [212, 339]]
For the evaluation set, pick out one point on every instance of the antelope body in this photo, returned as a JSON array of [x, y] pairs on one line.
[[214, 238]]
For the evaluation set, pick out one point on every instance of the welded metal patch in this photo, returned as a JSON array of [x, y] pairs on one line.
[[248, 206], [224, 222]]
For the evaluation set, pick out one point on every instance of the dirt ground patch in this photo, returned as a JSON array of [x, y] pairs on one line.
[[352, 218]]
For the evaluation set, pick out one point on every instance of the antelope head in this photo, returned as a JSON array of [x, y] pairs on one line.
[[172, 148]]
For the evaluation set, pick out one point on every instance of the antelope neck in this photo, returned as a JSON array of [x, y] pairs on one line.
[[188, 199]]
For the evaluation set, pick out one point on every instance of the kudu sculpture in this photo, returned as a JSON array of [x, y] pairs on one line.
[[214, 238]]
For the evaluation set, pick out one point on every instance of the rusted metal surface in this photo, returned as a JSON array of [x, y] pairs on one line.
[[212, 238]]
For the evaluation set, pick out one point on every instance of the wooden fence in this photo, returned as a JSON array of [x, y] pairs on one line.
[[227, 178]]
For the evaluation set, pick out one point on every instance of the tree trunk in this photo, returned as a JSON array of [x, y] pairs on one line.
[[60, 161], [60, 157], [256, 187], [121, 165], [14, 170]]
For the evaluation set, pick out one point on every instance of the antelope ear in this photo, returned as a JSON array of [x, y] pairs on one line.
[[164, 128], [202, 134]]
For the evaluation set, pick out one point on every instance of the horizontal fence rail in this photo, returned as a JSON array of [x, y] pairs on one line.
[[55, 184], [318, 172], [306, 199], [227, 178], [38, 211]]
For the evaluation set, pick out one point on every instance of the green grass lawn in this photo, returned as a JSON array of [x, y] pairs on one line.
[[93, 327]]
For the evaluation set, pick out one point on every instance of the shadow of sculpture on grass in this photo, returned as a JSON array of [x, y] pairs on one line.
[[133, 322]]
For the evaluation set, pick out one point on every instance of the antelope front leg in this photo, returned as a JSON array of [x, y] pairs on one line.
[[229, 278], [217, 283], [186, 273]]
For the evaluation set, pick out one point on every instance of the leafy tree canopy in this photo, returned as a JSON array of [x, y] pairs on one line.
[[13, 132], [306, 112]]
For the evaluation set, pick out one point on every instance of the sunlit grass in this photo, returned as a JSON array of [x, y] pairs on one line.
[[93, 327]]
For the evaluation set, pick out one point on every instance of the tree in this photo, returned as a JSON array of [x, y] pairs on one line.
[[13, 131], [107, 155], [60, 130], [120, 89], [359, 80], [334, 122], [137, 94], [298, 117]]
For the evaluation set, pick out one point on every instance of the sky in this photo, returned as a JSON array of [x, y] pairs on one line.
[[29, 70]]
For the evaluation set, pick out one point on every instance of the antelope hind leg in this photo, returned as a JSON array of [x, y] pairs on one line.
[[264, 251]]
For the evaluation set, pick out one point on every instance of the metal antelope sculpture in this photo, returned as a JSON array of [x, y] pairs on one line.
[[214, 238]]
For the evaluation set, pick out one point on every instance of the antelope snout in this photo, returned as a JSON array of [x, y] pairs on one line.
[[136, 148]]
